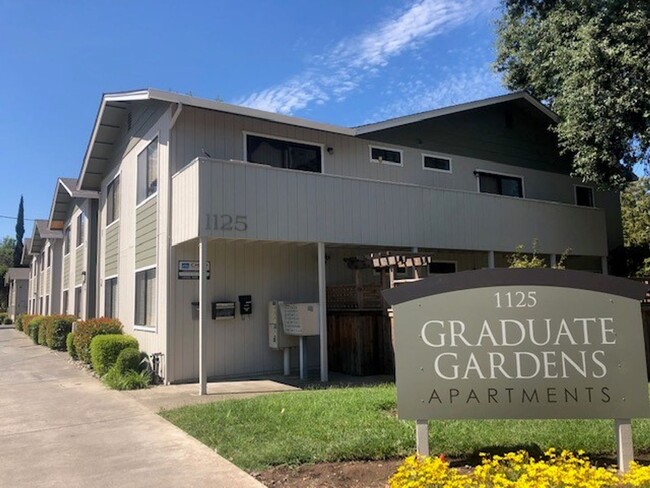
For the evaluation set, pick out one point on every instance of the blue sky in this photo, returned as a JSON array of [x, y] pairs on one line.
[[342, 62]]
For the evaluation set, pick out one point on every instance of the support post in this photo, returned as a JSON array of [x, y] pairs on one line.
[[422, 437], [322, 312], [287, 361], [203, 315], [491, 259], [624, 447], [603, 264], [301, 353]]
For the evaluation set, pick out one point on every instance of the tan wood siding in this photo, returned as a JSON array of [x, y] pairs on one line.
[[240, 346], [289, 205], [112, 250], [66, 272], [79, 264], [145, 234]]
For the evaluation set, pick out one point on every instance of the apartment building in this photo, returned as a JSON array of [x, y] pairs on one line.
[[275, 206], [18, 281]]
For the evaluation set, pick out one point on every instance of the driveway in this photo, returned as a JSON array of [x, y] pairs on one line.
[[59, 427]]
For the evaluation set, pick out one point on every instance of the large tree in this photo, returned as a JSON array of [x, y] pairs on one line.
[[6, 261], [589, 61], [635, 207], [20, 232]]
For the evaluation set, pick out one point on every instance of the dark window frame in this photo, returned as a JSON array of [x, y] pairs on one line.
[[147, 177], [500, 178], [81, 228], [110, 296], [591, 198], [287, 147], [141, 317], [113, 201]]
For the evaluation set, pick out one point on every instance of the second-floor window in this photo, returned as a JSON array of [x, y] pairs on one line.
[[385, 155], [283, 154], [499, 184], [113, 201], [81, 224], [584, 196], [148, 171], [66, 241]]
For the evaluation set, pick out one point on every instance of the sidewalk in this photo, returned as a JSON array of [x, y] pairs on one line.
[[61, 428]]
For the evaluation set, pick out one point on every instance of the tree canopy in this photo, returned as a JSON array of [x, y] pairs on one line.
[[635, 208], [20, 232], [588, 60]]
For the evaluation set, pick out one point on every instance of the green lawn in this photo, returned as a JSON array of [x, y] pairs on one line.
[[360, 423]]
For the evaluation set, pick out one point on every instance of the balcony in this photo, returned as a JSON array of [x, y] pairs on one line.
[[238, 200]]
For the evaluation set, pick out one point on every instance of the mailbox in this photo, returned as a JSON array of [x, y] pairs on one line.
[[223, 310]]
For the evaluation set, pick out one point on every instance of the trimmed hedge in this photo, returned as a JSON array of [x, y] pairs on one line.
[[69, 345], [3, 316], [25, 319], [34, 327], [57, 329], [8, 321], [104, 350], [85, 330], [127, 360], [42, 329]]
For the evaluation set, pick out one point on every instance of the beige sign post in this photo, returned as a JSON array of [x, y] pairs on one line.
[[521, 344]]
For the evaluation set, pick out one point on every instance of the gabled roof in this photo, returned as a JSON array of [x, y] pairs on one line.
[[112, 115], [440, 112], [114, 107], [40, 234], [25, 258], [64, 193]]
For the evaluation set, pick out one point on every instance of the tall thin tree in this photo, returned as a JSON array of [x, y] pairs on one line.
[[20, 232]]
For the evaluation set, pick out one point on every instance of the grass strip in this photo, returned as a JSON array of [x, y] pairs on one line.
[[341, 424]]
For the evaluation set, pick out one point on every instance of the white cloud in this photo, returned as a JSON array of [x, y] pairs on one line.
[[459, 87], [342, 70]]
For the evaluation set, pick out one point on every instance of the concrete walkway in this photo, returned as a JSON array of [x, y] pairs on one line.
[[59, 427]]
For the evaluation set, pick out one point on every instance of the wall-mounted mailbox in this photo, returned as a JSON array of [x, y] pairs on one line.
[[245, 305], [223, 310]]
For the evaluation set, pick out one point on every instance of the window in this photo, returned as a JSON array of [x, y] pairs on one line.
[[145, 298], [148, 171], [383, 155], [47, 304], [110, 297], [498, 184], [584, 196], [50, 257], [436, 163], [77, 302], [113, 201], [66, 241], [442, 267], [42, 260], [64, 305], [283, 154], [81, 223]]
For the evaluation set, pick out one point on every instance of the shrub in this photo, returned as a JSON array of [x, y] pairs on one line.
[[128, 360], [104, 350], [131, 380], [25, 319], [57, 329], [69, 345], [3, 316], [87, 329], [42, 329], [34, 327], [8, 321]]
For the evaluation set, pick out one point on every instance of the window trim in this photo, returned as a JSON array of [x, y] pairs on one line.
[[144, 328], [383, 148], [106, 278], [77, 304], [156, 136], [83, 241], [112, 180], [439, 156], [575, 196], [67, 229], [478, 171], [246, 133]]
